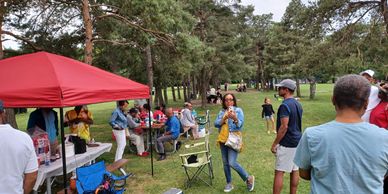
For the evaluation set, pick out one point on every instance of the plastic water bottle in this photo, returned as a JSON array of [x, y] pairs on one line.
[[47, 159], [147, 123]]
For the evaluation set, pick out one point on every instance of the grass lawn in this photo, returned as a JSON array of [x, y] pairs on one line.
[[256, 157]]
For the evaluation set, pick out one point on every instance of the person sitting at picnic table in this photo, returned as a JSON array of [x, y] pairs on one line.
[[188, 120], [119, 123], [79, 120], [135, 132], [144, 110], [171, 133], [159, 112]]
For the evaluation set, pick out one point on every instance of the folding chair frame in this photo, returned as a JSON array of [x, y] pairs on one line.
[[195, 175]]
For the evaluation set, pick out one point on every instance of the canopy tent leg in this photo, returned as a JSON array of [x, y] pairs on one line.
[[63, 151], [150, 136]]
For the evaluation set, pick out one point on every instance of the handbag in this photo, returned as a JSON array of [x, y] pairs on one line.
[[79, 144], [234, 140]]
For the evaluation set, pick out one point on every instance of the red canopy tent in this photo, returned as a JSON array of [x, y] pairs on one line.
[[47, 80]]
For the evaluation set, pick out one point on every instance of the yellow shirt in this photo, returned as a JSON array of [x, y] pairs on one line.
[[80, 128]]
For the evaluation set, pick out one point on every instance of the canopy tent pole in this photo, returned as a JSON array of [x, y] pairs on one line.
[[150, 135], [63, 151]]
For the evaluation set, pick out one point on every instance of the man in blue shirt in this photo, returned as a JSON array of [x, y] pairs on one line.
[[172, 132], [289, 127], [346, 155]]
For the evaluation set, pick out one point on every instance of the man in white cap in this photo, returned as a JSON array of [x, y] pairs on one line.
[[289, 132], [373, 99], [18, 163]]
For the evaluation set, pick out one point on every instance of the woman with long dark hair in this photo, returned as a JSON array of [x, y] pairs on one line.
[[231, 119]]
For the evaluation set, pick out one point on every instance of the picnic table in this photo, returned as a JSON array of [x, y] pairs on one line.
[[155, 131]]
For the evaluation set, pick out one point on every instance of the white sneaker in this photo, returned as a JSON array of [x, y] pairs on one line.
[[228, 188]]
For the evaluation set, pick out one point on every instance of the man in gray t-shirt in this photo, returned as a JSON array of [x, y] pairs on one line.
[[188, 120]]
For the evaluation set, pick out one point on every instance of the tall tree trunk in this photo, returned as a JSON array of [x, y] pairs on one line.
[[88, 32], [298, 94], [384, 10], [313, 87], [156, 100], [194, 87], [188, 89], [204, 84], [258, 78], [184, 92], [10, 112], [179, 92], [260, 66], [202, 36], [150, 73], [165, 95], [173, 93], [158, 95], [198, 86]]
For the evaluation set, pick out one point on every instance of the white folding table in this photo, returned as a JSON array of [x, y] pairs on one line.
[[73, 162]]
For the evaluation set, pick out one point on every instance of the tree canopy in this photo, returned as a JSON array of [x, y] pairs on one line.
[[196, 44]]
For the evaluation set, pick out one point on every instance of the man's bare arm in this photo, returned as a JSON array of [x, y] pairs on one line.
[[305, 174], [29, 181]]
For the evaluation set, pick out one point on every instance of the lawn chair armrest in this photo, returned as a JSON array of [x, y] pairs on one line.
[[116, 165], [193, 153], [117, 178], [194, 145]]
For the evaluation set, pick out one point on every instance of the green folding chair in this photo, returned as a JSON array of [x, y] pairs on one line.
[[197, 162]]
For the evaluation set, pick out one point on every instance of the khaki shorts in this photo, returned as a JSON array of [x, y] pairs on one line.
[[285, 159]]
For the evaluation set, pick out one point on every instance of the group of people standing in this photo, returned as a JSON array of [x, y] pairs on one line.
[[288, 130], [337, 157]]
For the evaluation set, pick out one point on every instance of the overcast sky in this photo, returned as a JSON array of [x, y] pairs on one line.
[[276, 7]]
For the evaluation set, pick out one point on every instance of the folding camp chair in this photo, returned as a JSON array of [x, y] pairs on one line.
[[196, 161], [90, 178], [204, 120]]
